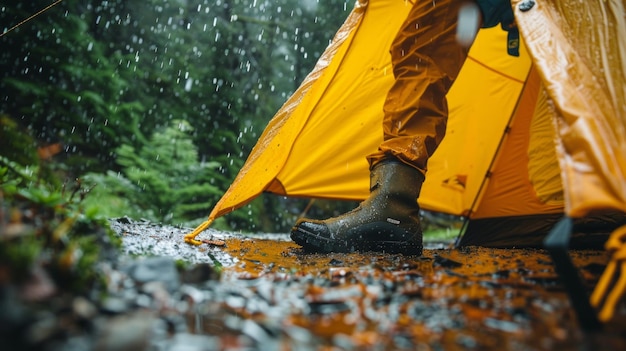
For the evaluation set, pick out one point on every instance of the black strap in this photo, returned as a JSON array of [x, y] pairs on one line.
[[557, 244], [512, 40]]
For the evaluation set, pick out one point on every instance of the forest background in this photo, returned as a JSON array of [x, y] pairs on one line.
[[151, 107]]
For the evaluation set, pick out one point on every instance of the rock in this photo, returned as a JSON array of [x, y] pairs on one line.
[[151, 269], [114, 305], [12, 313], [43, 329], [191, 294], [124, 220], [446, 262], [39, 286], [131, 332], [506, 326], [83, 308], [158, 293], [192, 342], [199, 273]]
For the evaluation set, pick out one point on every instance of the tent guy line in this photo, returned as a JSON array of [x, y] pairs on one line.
[[30, 18]]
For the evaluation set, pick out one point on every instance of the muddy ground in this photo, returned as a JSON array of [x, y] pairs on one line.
[[272, 295]]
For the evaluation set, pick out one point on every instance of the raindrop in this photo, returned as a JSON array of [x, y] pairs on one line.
[[188, 84]]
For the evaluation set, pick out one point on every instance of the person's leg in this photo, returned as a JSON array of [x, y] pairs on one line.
[[426, 59]]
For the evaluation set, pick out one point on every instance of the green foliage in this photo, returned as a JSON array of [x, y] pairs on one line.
[[59, 81], [41, 225], [441, 235], [15, 143], [163, 180], [98, 77]]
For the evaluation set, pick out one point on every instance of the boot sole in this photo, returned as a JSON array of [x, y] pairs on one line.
[[313, 242]]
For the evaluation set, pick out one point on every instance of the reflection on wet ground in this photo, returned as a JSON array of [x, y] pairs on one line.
[[272, 293]]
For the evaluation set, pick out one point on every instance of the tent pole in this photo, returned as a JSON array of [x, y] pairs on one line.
[[557, 245], [457, 242], [488, 174]]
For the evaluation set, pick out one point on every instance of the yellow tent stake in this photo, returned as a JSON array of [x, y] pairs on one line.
[[191, 237], [612, 285], [603, 285], [614, 296]]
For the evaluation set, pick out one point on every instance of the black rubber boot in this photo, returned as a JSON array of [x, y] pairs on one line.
[[388, 221]]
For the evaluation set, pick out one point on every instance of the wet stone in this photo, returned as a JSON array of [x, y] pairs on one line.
[[466, 341], [115, 305], [446, 262], [328, 307], [191, 294], [126, 333], [190, 342], [507, 326], [199, 273], [335, 262], [151, 269], [46, 326], [84, 308]]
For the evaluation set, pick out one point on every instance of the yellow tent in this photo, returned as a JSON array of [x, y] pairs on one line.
[[521, 129], [531, 140]]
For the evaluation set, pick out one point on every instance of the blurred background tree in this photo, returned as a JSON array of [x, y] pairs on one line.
[[98, 87]]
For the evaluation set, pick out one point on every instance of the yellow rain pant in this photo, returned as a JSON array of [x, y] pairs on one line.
[[426, 60]]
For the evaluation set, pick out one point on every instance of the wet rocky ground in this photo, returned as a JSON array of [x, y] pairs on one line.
[[262, 292]]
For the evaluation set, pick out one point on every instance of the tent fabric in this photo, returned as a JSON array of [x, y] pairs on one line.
[[579, 49], [529, 138], [339, 119]]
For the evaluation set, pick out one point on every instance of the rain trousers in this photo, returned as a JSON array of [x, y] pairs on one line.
[[426, 59]]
